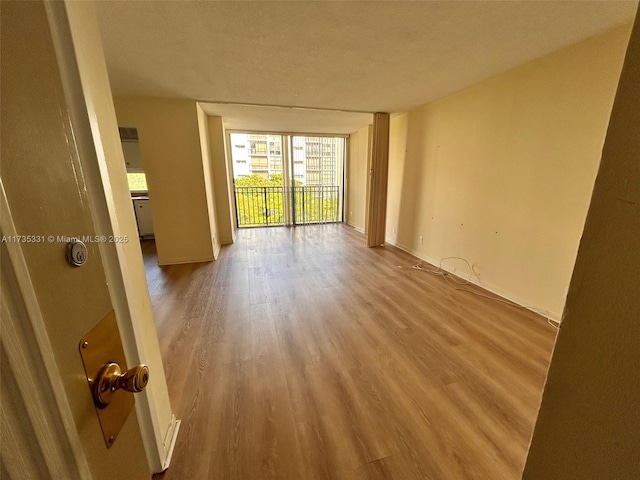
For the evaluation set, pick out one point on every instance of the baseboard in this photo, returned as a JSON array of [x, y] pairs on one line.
[[555, 316], [356, 228], [181, 262], [170, 441], [216, 251]]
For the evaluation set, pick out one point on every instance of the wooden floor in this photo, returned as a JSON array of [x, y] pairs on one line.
[[302, 354]]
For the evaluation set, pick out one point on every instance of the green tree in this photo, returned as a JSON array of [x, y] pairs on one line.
[[277, 180], [316, 204], [253, 180], [259, 201]]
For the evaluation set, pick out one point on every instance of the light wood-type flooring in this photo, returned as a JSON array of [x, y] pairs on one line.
[[302, 354]]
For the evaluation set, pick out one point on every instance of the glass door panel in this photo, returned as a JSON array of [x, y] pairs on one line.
[[258, 175], [310, 170], [317, 165]]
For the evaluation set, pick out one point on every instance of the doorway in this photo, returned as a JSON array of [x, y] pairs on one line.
[[282, 179]]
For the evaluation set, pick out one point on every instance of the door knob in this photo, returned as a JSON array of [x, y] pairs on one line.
[[111, 379], [105, 367]]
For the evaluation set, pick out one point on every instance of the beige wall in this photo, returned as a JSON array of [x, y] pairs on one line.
[[501, 173], [172, 158], [589, 422], [355, 211], [223, 199], [207, 166]]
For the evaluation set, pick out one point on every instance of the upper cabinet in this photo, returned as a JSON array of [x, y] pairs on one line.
[[131, 149], [132, 156]]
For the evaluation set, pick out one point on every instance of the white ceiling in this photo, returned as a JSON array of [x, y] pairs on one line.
[[349, 56]]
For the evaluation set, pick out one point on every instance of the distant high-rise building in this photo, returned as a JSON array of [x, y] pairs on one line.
[[315, 160], [259, 154]]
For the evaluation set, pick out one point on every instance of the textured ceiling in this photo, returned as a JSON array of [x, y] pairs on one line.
[[352, 56]]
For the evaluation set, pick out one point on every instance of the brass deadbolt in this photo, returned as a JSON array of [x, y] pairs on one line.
[[110, 379]]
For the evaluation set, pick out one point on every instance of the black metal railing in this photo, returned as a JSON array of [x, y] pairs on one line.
[[264, 206], [315, 204], [257, 206]]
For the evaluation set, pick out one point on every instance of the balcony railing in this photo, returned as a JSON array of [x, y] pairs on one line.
[[259, 206], [315, 204], [265, 206]]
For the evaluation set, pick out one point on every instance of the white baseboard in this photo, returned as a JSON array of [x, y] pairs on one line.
[[170, 441], [356, 228], [555, 316], [181, 262], [226, 240]]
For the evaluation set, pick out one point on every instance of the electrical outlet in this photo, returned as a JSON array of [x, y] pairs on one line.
[[420, 239], [394, 230]]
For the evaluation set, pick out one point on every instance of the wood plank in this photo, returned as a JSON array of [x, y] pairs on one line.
[[301, 353]]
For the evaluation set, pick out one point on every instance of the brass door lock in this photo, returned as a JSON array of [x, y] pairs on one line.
[[103, 358], [110, 379]]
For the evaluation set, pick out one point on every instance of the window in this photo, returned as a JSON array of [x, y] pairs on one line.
[[313, 177], [328, 178], [276, 163], [328, 165], [258, 147], [274, 148], [137, 182], [259, 163], [311, 167]]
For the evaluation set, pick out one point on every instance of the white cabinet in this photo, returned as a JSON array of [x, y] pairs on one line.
[[132, 156], [143, 217]]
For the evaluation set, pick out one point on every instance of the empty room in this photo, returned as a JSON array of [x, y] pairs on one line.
[[320, 240]]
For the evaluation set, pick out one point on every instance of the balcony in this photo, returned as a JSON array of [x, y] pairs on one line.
[[265, 206]]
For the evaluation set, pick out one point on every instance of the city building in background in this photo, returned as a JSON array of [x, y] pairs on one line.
[[259, 154], [287, 179], [315, 160]]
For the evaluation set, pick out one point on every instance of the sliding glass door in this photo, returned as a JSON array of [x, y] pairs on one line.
[[287, 179], [258, 179], [316, 193]]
